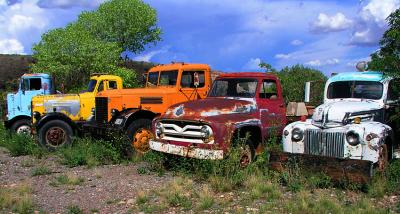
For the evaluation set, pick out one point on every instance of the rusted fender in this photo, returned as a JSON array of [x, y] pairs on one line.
[[339, 170]]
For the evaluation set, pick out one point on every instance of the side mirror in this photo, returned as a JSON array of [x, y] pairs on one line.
[[144, 78], [307, 92]]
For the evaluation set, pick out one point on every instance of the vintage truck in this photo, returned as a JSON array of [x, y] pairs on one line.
[[57, 117], [132, 110], [17, 110], [242, 105], [351, 132]]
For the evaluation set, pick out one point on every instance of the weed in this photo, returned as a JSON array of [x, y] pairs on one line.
[[89, 152], [16, 199], [206, 199], [40, 170], [27, 163], [142, 198], [74, 209], [94, 210], [68, 179], [19, 145]]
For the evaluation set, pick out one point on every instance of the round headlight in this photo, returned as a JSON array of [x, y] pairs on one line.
[[297, 134], [114, 112], [352, 138], [205, 131]]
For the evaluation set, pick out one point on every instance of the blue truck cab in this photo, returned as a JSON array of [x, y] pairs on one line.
[[17, 112]]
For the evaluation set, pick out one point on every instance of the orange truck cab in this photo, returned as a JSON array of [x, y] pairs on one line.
[[132, 110]]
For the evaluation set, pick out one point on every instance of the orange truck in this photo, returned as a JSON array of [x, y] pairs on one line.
[[132, 110]]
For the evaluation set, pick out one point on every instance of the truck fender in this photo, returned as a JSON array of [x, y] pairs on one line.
[[55, 116], [9, 123], [130, 115]]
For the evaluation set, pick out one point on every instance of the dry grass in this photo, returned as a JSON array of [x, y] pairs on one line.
[[16, 199]]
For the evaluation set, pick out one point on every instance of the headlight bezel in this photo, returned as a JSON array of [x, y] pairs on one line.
[[297, 134], [159, 129], [353, 138]]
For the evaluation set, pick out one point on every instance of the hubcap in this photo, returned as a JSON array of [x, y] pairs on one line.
[[55, 136], [383, 158], [24, 129], [141, 140]]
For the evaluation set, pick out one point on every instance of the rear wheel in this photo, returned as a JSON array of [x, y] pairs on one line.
[[22, 126], [55, 134], [139, 133]]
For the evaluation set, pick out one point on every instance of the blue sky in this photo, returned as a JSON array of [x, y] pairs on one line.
[[230, 35]]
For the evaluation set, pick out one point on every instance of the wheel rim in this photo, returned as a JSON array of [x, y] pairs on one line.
[[141, 140], [24, 129], [383, 158], [245, 157], [56, 136]]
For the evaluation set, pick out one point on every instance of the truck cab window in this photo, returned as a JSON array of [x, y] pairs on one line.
[[187, 80], [101, 86], [168, 78], [152, 79], [91, 85], [268, 90], [112, 85], [32, 84]]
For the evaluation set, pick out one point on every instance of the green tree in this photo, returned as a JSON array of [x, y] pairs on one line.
[[387, 58], [293, 81], [130, 23], [95, 43]]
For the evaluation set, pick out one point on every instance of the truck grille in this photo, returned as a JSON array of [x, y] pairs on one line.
[[101, 110], [329, 144], [183, 131]]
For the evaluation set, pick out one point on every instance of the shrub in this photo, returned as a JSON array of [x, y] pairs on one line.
[[16, 199], [41, 170], [19, 145], [89, 152]]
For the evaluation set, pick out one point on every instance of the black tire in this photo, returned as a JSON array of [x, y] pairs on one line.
[[22, 126], [55, 134], [137, 126]]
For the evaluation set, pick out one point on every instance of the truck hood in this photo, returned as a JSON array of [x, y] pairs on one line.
[[334, 112], [60, 103], [209, 109]]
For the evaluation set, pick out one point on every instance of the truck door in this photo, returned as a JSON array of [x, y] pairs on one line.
[[192, 85], [30, 87], [271, 107]]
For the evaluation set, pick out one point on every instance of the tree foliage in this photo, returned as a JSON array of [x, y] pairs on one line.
[[387, 59], [293, 80], [95, 42]]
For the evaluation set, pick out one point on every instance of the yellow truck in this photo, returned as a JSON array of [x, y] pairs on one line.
[[56, 118]]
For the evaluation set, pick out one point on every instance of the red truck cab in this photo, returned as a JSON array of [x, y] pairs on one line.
[[246, 105]]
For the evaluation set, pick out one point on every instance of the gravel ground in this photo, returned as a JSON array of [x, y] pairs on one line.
[[105, 189]]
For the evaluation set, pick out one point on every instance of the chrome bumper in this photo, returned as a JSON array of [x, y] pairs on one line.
[[187, 151]]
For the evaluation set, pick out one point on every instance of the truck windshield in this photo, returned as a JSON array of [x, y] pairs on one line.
[[231, 87], [355, 89], [168, 77], [91, 85]]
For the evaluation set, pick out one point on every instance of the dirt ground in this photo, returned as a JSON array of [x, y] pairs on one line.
[[105, 189]]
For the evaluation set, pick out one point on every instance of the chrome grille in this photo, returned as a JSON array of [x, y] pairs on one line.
[[329, 144], [183, 131], [101, 110]]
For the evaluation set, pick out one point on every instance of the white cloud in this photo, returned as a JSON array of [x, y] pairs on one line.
[[296, 42], [315, 63], [64, 4], [253, 64], [11, 46], [19, 23], [318, 63], [148, 56], [372, 21], [326, 23], [282, 56]]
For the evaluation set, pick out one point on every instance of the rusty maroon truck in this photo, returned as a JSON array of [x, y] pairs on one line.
[[242, 105]]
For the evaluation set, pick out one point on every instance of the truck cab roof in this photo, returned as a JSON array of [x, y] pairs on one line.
[[37, 75], [358, 76], [179, 65], [247, 74]]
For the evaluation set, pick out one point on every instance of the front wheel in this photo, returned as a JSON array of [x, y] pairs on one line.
[[247, 152], [55, 134], [22, 127], [139, 133]]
